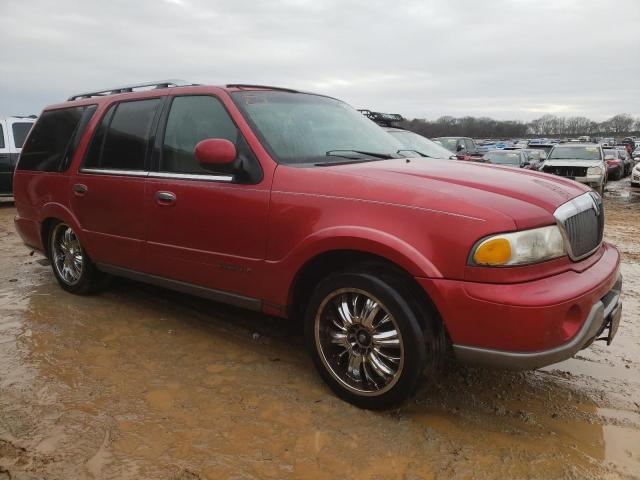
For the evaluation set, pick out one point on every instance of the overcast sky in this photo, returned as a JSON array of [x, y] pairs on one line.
[[516, 59]]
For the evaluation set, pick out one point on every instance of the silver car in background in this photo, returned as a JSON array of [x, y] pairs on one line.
[[584, 163]]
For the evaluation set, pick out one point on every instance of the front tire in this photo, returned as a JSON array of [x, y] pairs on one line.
[[72, 267], [367, 340]]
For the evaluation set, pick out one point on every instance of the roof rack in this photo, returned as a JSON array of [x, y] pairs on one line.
[[384, 119], [130, 88], [248, 85]]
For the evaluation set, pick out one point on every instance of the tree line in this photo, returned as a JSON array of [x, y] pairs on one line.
[[545, 126]]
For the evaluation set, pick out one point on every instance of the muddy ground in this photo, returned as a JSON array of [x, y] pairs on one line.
[[142, 383]]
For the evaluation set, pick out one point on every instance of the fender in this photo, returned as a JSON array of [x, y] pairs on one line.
[[61, 212], [360, 239]]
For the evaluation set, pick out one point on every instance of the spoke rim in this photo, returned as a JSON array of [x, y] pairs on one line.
[[67, 255], [359, 341]]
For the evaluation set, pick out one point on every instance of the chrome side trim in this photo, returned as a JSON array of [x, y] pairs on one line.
[[192, 176], [122, 173], [584, 202], [229, 298], [506, 360]]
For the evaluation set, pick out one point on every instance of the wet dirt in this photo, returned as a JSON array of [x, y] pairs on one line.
[[140, 382]]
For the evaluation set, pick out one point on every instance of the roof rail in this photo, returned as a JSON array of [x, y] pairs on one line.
[[130, 88], [384, 119], [247, 85]]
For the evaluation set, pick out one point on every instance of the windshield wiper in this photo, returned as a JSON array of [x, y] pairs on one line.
[[414, 151], [345, 162], [342, 153]]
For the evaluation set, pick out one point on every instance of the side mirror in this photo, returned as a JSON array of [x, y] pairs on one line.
[[215, 151]]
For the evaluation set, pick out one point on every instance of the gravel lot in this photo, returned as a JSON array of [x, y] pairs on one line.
[[139, 382]]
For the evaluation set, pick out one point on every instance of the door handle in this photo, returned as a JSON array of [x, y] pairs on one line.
[[165, 198], [79, 189]]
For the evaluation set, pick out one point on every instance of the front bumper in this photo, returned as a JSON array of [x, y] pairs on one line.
[[530, 324], [591, 180], [605, 314]]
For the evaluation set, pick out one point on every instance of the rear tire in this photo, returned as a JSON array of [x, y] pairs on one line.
[[366, 335], [72, 267]]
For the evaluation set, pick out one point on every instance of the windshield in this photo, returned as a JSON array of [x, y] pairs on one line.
[[575, 153], [417, 143], [503, 158], [448, 143], [303, 128]]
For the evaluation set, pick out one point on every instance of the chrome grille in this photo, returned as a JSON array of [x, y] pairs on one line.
[[582, 222], [568, 171]]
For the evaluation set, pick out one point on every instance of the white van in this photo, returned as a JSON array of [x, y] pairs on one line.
[[13, 132]]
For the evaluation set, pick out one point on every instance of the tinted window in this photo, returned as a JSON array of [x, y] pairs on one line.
[[123, 136], [51, 140], [20, 131], [92, 158], [1, 137], [192, 119]]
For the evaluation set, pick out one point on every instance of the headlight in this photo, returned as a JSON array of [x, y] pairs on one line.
[[519, 248], [594, 171]]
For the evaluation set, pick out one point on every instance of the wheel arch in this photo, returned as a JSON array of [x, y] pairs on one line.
[[53, 213], [328, 262]]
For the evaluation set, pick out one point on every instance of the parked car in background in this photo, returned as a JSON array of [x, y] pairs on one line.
[[295, 205], [635, 175], [536, 157], [636, 153], [412, 143], [545, 147], [626, 158], [608, 141], [629, 143], [615, 163], [583, 163], [13, 131], [464, 148], [507, 158]]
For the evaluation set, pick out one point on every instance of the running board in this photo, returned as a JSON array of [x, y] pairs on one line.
[[249, 303]]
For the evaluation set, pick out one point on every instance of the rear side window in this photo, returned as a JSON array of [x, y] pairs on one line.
[[53, 139], [20, 131], [122, 139]]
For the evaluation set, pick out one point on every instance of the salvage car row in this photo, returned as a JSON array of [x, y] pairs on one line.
[[592, 164]]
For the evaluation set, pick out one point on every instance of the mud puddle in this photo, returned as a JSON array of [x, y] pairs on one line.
[[139, 382]]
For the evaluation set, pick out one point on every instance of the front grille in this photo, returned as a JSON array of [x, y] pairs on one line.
[[583, 221], [566, 171]]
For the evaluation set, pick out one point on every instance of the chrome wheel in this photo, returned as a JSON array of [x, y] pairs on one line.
[[359, 341], [66, 254]]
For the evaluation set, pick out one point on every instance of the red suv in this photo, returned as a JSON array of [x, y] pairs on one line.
[[296, 205]]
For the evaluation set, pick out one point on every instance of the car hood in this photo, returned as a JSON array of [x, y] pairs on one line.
[[573, 163], [479, 190]]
